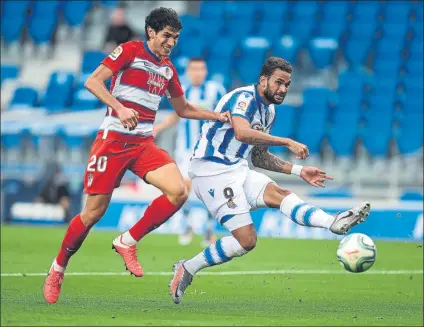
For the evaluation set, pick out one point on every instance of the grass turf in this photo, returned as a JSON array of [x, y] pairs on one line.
[[272, 299]]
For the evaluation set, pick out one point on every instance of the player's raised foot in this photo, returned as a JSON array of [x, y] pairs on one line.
[[53, 285], [129, 255], [179, 283], [344, 221]]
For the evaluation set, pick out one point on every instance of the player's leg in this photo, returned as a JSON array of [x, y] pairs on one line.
[[186, 236], [156, 167], [209, 236], [231, 208], [104, 172], [299, 211]]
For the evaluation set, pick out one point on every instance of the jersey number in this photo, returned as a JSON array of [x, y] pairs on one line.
[[101, 164], [228, 193]]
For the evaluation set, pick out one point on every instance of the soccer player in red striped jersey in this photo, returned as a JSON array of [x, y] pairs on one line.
[[141, 74]]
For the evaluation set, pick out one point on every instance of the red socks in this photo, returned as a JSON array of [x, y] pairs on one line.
[[159, 211], [74, 236]]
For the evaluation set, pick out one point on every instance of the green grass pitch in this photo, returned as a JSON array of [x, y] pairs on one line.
[[319, 293]]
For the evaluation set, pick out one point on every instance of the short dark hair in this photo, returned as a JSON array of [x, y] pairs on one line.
[[274, 63], [161, 17], [194, 59]]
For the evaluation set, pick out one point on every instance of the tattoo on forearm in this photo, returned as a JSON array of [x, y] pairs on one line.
[[262, 158]]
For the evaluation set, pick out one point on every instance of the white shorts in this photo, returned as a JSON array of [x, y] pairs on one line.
[[232, 193]]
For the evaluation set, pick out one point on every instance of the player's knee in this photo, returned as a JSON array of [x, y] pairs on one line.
[[179, 195], [248, 242], [92, 215], [283, 191]]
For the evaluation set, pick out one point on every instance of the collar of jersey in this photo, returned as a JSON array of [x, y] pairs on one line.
[[258, 98], [150, 51]]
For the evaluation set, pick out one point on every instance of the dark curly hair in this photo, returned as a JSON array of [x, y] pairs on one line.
[[274, 63], [161, 17]]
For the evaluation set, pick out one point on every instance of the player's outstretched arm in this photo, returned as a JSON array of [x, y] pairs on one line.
[[96, 85], [186, 109], [244, 133], [262, 158]]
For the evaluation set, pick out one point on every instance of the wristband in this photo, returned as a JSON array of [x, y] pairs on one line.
[[296, 169]]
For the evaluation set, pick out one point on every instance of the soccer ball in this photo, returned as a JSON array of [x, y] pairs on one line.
[[356, 252]]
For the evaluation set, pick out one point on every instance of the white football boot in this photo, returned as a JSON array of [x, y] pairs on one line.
[[345, 220]]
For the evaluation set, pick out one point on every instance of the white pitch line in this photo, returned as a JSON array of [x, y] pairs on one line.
[[228, 273]]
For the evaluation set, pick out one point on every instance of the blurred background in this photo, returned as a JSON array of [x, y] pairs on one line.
[[356, 100]]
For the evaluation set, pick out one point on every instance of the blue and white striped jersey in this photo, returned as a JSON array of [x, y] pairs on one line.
[[205, 96], [217, 142]]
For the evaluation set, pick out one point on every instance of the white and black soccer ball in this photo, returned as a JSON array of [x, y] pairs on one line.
[[356, 252]]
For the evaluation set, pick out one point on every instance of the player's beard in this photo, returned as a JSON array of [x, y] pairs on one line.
[[271, 96]]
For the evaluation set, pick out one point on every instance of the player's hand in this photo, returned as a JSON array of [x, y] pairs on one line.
[[225, 117], [314, 176], [300, 150], [155, 131], [128, 118]]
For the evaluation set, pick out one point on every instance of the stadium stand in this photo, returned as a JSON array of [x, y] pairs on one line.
[[371, 110]]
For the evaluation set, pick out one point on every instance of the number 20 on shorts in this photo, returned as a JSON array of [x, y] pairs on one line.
[[99, 163]]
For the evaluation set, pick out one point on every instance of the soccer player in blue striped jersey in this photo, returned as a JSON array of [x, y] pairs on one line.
[[223, 181], [205, 94]]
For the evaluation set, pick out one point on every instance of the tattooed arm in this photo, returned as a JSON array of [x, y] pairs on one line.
[[264, 159]]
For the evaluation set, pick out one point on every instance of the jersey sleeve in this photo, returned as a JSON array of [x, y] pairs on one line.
[[120, 57], [242, 105], [175, 89]]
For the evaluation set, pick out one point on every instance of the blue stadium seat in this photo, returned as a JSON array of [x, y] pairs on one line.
[[41, 29], [415, 67], [109, 3], [212, 29], [354, 78], [335, 10], [410, 135], [242, 10], [417, 28], [397, 11], [11, 28], [283, 125], [356, 51], [318, 98], [344, 130], [239, 28], [305, 10], [286, 47], [362, 30], [83, 99], [366, 10], [311, 129], [9, 72], [322, 51], [381, 125], [384, 67], [412, 105], [75, 11], [12, 136], [212, 9], [24, 97], [220, 66], [380, 102], [253, 55], [413, 85], [332, 28], [388, 49], [91, 60], [191, 25], [301, 29], [395, 32], [59, 91], [193, 46], [385, 85], [273, 10], [13, 8], [274, 33], [77, 136], [416, 50], [46, 9]]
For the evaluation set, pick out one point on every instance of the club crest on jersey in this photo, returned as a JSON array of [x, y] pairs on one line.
[[155, 83], [168, 73], [116, 53], [90, 179], [231, 204]]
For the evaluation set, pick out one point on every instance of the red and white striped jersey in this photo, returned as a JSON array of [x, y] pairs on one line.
[[139, 81]]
